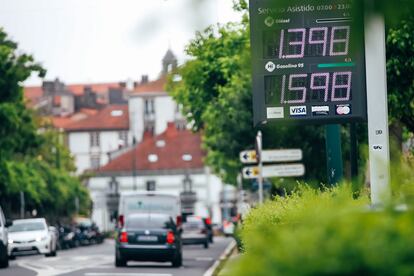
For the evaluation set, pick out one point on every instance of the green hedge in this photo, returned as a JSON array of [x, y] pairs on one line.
[[326, 233]]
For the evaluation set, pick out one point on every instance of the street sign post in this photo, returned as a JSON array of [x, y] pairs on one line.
[[274, 155], [282, 170], [308, 61], [259, 149], [379, 153]]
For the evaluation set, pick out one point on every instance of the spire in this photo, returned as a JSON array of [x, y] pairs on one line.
[[169, 62]]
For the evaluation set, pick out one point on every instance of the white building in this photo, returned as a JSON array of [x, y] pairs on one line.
[[171, 162], [92, 139], [144, 145]]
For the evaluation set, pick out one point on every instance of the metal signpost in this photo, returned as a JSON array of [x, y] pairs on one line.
[[259, 148], [379, 154], [261, 156]]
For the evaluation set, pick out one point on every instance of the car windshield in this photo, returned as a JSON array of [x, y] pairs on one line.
[[27, 226], [148, 222]]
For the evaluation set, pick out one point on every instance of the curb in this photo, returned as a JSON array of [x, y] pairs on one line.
[[229, 249]]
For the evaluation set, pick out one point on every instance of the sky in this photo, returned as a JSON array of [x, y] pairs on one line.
[[81, 41]]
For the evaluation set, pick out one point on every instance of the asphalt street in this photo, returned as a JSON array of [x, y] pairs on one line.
[[98, 260]]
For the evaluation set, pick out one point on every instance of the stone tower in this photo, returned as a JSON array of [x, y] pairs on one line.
[[169, 62]]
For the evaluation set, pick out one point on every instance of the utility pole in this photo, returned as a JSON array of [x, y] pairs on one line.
[[259, 148], [22, 205], [134, 165], [378, 137]]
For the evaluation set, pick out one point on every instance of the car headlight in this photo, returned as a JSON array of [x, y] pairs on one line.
[[11, 241], [38, 239]]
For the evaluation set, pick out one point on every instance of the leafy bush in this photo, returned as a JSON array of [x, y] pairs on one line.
[[326, 233]]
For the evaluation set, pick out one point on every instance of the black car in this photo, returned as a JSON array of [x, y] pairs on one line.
[[148, 237]]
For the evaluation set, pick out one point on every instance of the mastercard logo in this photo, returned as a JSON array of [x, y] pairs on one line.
[[343, 109]]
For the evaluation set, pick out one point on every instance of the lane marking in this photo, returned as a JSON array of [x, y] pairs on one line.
[[124, 274]]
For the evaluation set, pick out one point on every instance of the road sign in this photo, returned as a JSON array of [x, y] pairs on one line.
[[251, 172], [283, 170], [308, 61], [282, 155], [248, 157]]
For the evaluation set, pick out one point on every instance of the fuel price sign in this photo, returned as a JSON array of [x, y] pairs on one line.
[[308, 61]]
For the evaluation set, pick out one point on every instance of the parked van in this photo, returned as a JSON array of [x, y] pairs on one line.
[[148, 202], [4, 239]]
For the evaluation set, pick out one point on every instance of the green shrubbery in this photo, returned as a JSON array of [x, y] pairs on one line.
[[326, 233]]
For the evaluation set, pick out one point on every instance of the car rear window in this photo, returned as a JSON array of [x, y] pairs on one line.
[[27, 226], [193, 225], [148, 222]]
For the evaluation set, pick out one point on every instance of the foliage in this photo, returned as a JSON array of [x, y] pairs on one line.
[[400, 69], [32, 161], [326, 232]]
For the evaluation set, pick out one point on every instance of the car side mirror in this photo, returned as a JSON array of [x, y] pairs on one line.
[[8, 223]]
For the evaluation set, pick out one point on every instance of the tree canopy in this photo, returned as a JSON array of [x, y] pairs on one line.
[[214, 89], [32, 160]]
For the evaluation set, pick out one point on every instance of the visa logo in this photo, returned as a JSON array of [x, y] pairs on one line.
[[298, 111]]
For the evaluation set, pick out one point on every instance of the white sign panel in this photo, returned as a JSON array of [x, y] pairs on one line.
[[283, 170], [282, 155]]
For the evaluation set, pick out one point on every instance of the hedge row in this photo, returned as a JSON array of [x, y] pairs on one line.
[[326, 233]]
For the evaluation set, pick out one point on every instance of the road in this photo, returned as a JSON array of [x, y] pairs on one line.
[[98, 260]]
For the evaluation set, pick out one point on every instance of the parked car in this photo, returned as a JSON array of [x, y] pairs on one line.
[[88, 232], [31, 236], [195, 231], [4, 256], [148, 237]]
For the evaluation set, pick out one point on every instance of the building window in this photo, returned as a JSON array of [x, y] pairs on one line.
[[150, 185], [94, 139], [95, 162], [149, 106], [123, 138]]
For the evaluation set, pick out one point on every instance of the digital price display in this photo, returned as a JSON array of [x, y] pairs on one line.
[[308, 62]]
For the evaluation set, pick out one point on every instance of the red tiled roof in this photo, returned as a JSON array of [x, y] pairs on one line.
[[88, 111], [32, 94], [152, 86], [62, 122], [170, 156], [112, 117]]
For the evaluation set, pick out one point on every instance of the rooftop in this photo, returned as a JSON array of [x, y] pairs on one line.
[[172, 150]]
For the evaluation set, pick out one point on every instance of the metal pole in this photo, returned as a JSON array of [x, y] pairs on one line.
[[354, 151], [77, 205], [134, 166], [259, 147], [334, 154], [379, 154], [22, 205]]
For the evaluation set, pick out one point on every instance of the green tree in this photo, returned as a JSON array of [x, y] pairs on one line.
[[215, 92], [31, 161], [400, 72]]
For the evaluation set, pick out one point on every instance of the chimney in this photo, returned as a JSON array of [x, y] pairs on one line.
[[144, 79]]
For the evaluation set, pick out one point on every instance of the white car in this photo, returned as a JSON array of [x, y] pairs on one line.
[[31, 236]]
